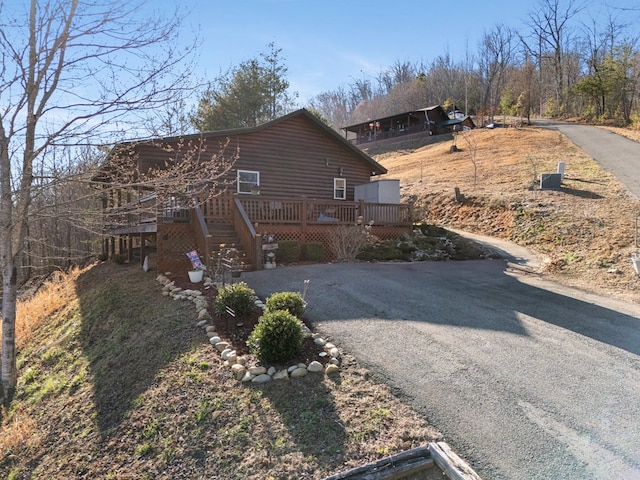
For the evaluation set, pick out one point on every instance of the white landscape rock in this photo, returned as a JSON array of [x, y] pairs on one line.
[[332, 369], [257, 370], [315, 367], [215, 340], [226, 353], [281, 376], [263, 378], [238, 371], [319, 341], [299, 372], [222, 346]]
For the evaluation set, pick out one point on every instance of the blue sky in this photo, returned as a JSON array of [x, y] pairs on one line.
[[327, 43]]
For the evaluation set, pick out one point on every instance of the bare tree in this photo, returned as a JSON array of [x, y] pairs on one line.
[[73, 71], [496, 56], [550, 23]]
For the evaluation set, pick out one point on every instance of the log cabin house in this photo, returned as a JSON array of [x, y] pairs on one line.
[[404, 126], [294, 178]]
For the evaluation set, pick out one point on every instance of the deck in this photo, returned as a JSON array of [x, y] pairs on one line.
[[179, 229]]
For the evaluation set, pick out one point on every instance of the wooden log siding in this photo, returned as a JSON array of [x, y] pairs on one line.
[[295, 159]]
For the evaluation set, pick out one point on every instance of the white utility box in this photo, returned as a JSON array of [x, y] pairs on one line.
[[379, 191]]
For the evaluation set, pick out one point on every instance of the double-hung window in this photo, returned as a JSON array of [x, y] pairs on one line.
[[248, 180], [339, 188]]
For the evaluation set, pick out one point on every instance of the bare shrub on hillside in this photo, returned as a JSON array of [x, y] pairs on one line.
[[348, 241]]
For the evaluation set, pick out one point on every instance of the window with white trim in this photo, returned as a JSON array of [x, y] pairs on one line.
[[248, 180], [339, 188]]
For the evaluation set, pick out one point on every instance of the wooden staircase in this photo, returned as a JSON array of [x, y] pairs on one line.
[[225, 234]]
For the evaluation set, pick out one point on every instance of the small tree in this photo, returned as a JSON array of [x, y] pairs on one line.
[[252, 93], [73, 73]]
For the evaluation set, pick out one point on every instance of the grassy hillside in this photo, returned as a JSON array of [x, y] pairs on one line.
[[117, 381], [585, 230]]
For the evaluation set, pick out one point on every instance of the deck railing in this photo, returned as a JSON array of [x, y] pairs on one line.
[[141, 212], [306, 211], [250, 240]]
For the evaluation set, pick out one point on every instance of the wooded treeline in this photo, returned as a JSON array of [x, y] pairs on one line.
[[557, 65]]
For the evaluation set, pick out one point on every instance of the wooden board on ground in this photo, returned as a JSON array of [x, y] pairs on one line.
[[422, 463]]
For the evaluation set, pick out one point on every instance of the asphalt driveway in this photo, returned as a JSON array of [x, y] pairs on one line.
[[525, 379], [616, 154]]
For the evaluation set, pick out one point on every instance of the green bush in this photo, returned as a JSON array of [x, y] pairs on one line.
[[288, 251], [277, 337], [289, 301], [380, 252], [238, 296], [313, 251]]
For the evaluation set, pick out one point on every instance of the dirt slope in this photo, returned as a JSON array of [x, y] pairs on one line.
[[585, 230]]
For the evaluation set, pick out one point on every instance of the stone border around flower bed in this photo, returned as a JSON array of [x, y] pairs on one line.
[[239, 367]]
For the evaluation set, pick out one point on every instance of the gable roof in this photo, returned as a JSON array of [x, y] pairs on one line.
[[421, 112], [376, 168]]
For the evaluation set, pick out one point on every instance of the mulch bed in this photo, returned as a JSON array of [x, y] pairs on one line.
[[236, 330]]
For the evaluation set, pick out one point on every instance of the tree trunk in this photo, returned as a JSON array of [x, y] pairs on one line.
[[8, 376], [9, 299]]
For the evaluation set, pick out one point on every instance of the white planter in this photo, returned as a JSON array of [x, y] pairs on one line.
[[195, 276], [269, 265]]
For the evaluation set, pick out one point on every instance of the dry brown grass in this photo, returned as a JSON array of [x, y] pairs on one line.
[[585, 230], [53, 295], [633, 134], [17, 431]]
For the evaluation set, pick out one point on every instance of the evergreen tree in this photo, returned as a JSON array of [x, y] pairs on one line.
[[254, 92]]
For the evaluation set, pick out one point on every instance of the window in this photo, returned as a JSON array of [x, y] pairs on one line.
[[339, 189], [248, 180]]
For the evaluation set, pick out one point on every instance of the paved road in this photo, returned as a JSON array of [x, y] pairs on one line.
[[525, 379], [614, 153]]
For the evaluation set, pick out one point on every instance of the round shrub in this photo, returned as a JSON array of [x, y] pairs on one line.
[[289, 301], [237, 296], [288, 251], [277, 337], [312, 251]]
